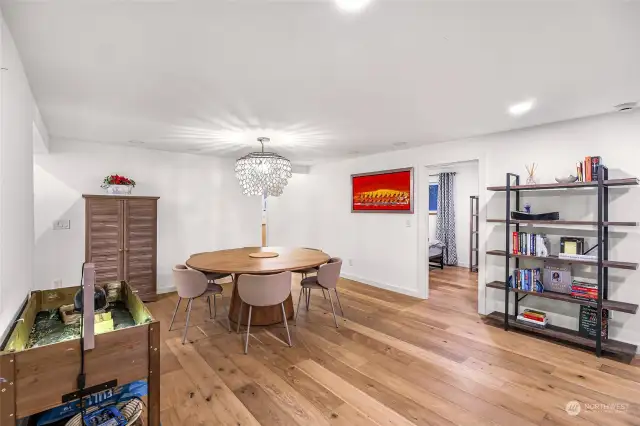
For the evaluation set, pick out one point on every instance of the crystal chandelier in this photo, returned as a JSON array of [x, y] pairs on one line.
[[263, 172]]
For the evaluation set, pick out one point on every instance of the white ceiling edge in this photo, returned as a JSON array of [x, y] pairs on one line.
[[477, 138]]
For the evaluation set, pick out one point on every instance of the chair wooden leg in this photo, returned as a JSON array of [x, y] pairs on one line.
[[339, 303], [186, 327], [284, 318], [215, 307], [299, 306], [324, 294], [239, 316], [246, 343], [333, 309], [308, 298], [174, 313], [209, 303]]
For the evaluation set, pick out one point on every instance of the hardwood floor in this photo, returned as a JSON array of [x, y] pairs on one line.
[[395, 360]]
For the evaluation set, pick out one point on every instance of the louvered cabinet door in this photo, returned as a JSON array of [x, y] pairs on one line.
[[140, 238], [104, 238]]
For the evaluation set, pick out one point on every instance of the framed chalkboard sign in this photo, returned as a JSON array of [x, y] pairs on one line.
[[589, 321]]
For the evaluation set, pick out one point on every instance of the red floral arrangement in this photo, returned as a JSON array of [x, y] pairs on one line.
[[118, 180]]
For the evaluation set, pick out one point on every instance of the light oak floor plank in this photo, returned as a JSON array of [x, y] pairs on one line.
[[394, 360]]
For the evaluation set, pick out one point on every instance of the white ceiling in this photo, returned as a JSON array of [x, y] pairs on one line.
[[211, 76]]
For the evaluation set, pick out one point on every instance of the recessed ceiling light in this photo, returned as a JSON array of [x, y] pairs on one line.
[[400, 144], [522, 107], [136, 142], [352, 5]]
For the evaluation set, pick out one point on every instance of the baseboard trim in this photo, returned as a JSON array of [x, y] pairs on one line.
[[390, 287], [163, 290]]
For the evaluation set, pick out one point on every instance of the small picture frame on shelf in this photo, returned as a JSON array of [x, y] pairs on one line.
[[571, 245]]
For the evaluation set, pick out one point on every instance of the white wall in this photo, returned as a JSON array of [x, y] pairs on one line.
[[388, 254], [16, 180], [291, 229], [466, 185], [201, 206]]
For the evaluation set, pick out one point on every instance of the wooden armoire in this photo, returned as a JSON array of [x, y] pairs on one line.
[[121, 236]]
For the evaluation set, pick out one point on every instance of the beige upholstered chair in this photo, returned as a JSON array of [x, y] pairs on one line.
[[190, 285], [212, 276], [314, 270], [263, 290], [326, 279]]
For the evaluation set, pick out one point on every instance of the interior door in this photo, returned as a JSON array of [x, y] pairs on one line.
[[104, 241], [140, 246]]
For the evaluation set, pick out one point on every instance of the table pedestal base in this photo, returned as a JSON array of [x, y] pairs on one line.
[[260, 315]]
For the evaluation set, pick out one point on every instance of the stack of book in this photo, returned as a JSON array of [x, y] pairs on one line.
[[533, 318], [588, 170], [528, 244], [527, 280], [584, 291]]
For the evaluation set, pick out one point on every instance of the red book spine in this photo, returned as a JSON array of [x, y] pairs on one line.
[[533, 317], [587, 169], [590, 290], [516, 242]]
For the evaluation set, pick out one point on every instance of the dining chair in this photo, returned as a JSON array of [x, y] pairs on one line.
[[263, 290], [326, 279], [313, 270], [213, 276], [190, 285]]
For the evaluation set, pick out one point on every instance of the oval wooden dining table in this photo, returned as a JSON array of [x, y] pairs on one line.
[[240, 261]]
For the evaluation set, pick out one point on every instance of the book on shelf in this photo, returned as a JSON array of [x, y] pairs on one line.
[[527, 280], [533, 317], [536, 313], [529, 244], [577, 256], [531, 323], [595, 164], [584, 291], [588, 170]]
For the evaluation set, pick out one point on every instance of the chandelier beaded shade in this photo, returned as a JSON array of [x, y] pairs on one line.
[[263, 172]]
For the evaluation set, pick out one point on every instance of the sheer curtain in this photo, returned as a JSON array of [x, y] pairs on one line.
[[446, 217]]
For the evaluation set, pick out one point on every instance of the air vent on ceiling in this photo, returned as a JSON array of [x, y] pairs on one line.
[[627, 106]]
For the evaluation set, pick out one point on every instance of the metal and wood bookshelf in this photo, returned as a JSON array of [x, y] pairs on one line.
[[474, 225], [513, 189]]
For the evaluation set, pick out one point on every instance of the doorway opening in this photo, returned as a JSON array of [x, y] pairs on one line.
[[453, 234]]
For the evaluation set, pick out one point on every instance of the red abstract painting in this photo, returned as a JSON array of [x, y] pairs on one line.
[[386, 191]]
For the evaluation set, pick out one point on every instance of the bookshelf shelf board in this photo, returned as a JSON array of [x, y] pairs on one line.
[[567, 335], [609, 183], [607, 263], [629, 308], [562, 222]]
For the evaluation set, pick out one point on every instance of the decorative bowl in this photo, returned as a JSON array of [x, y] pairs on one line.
[[118, 189], [566, 179]]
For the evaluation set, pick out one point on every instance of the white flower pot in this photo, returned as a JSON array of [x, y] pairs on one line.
[[119, 189]]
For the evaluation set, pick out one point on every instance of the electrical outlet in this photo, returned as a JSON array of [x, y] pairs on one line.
[[408, 223], [350, 262], [61, 224], [57, 283]]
